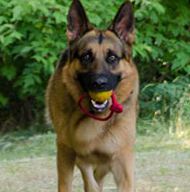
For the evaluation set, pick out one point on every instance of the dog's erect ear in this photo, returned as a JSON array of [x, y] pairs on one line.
[[77, 21], [123, 23]]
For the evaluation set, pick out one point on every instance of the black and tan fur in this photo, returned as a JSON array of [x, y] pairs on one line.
[[96, 147]]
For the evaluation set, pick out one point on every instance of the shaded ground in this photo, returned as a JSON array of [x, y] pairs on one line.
[[28, 165]]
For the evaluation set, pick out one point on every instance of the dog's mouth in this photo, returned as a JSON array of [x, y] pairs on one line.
[[99, 107], [99, 101]]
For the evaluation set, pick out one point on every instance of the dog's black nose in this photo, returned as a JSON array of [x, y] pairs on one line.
[[100, 83]]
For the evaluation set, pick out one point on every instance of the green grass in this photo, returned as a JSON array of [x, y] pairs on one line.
[[24, 145], [27, 164]]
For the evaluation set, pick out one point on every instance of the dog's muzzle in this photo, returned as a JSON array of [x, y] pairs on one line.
[[98, 82], [99, 87]]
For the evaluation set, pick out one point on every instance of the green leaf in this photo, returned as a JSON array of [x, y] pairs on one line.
[[58, 17], [3, 100], [2, 19], [16, 35], [8, 71], [4, 28], [181, 60], [187, 69], [158, 7], [17, 13]]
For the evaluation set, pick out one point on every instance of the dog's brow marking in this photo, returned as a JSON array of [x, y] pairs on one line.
[[100, 38]]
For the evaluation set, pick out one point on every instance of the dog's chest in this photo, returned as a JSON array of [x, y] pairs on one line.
[[95, 140]]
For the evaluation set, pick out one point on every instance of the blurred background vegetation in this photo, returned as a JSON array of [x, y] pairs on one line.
[[32, 36]]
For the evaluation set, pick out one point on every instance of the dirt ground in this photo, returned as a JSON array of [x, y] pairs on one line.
[[156, 171]]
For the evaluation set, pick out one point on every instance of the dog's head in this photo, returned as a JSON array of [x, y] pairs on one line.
[[99, 59]]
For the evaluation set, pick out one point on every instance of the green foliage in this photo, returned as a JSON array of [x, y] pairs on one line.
[[165, 42], [162, 54], [32, 35], [161, 98], [31, 39]]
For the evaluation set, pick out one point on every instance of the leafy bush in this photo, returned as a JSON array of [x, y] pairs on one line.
[[32, 35], [162, 54], [167, 101]]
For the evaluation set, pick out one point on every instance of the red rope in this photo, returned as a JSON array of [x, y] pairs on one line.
[[115, 107]]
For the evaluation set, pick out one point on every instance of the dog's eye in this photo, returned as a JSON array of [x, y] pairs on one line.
[[112, 59], [86, 58]]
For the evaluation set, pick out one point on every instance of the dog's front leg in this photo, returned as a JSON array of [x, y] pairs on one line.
[[90, 184], [65, 167], [123, 171]]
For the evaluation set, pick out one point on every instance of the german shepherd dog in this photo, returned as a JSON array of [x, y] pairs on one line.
[[97, 136]]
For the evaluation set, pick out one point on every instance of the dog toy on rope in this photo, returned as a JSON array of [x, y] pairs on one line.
[[100, 97]]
